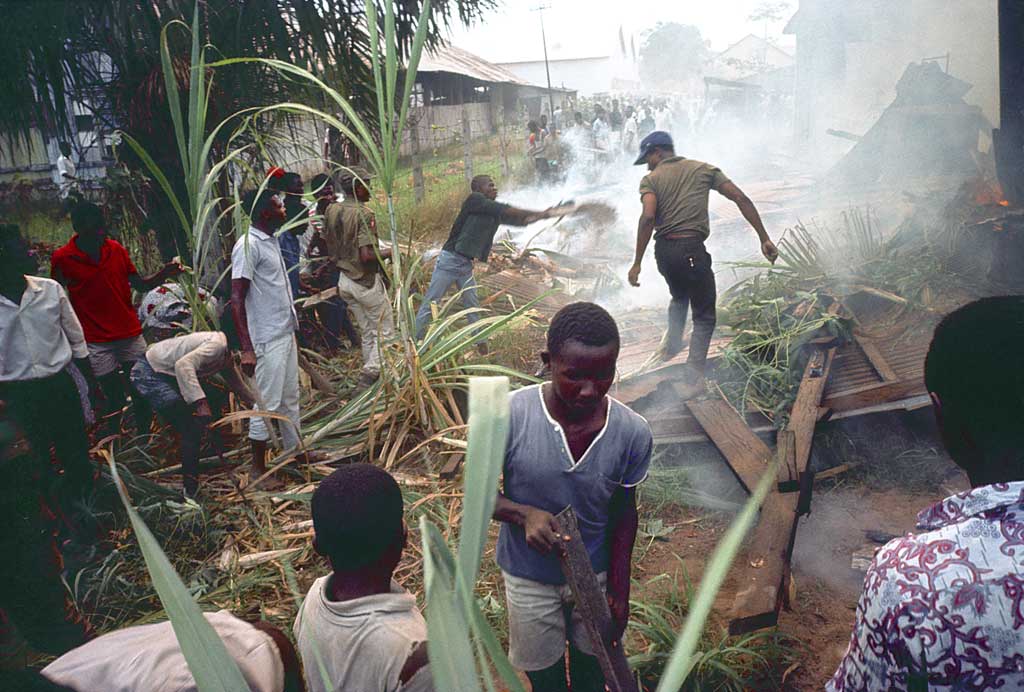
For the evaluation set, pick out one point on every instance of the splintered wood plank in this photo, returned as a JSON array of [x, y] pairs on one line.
[[592, 605], [873, 395], [877, 360], [762, 574], [785, 453], [744, 451], [762, 579], [804, 415]]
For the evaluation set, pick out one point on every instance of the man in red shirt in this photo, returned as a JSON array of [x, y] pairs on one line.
[[99, 276]]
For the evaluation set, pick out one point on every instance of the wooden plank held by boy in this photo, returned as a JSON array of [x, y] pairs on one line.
[[593, 606]]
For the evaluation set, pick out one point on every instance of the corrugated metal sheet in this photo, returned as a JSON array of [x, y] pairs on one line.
[[454, 60]]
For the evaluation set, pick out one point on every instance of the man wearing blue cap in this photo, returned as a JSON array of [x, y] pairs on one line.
[[675, 210]]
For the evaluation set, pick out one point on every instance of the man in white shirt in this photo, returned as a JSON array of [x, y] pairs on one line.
[[39, 337], [263, 308], [629, 131], [66, 177]]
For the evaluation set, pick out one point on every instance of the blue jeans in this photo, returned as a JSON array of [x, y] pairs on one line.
[[450, 269]]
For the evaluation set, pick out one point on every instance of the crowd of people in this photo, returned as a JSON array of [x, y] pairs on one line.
[[601, 132], [942, 608]]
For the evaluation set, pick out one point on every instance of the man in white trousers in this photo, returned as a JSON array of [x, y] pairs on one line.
[[350, 230], [264, 313]]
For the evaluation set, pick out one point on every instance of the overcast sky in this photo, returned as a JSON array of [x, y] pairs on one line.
[[589, 28]]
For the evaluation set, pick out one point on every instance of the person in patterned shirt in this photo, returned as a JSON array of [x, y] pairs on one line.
[[944, 609]]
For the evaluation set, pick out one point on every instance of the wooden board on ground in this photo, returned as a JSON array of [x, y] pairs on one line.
[[451, 467], [804, 415], [764, 570], [744, 451], [877, 360], [631, 390], [764, 566], [592, 606]]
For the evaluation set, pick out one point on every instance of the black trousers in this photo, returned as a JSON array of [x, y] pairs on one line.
[[686, 266], [49, 413]]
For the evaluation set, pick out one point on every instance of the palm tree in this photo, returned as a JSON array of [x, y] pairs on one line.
[[105, 56]]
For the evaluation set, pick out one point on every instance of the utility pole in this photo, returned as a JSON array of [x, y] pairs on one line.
[[547, 69]]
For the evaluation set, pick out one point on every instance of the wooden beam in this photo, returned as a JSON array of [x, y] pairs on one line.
[[592, 605], [761, 582], [744, 451], [873, 395], [804, 415], [785, 453], [877, 360], [762, 579]]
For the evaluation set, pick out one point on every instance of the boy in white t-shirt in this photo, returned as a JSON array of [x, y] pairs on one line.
[[357, 628]]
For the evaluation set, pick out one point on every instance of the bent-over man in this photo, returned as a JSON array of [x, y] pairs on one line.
[[170, 378]]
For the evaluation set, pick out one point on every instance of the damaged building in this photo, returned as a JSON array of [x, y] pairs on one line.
[[850, 56]]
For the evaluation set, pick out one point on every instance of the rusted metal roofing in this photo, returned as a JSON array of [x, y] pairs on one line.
[[454, 60]]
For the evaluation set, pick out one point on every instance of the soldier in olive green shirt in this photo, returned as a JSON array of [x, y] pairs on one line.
[[350, 230], [675, 209]]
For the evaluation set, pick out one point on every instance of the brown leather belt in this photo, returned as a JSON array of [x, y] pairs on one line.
[[682, 235]]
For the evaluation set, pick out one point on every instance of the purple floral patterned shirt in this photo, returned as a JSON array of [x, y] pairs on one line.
[[949, 602]]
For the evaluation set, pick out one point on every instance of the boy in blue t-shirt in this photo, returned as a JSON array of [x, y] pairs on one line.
[[569, 444]]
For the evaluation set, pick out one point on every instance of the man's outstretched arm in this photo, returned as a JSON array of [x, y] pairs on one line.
[[644, 230], [148, 283], [513, 216], [731, 192]]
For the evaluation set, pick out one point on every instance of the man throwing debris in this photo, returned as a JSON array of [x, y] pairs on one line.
[[675, 210], [470, 239]]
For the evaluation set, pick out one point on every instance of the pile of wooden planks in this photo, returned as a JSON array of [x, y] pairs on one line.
[[763, 571]]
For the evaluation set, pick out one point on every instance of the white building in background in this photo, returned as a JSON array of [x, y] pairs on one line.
[[602, 74], [750, 55]]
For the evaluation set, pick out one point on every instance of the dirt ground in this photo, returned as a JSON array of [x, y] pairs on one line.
[[882, 494]]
